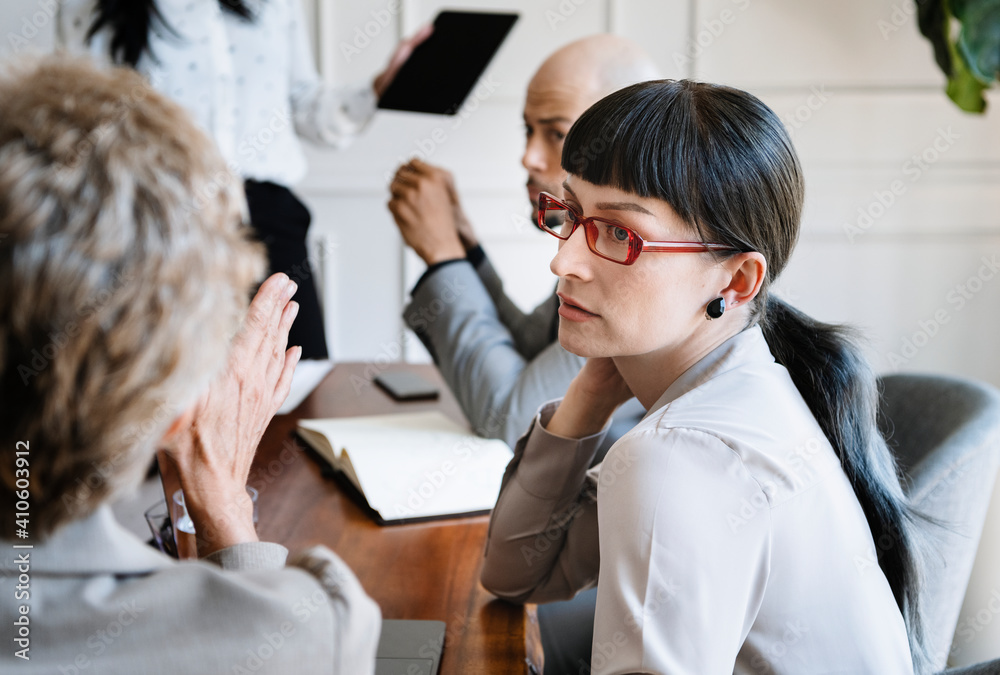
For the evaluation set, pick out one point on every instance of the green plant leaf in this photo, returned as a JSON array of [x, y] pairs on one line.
[[979, 39], [970, 56], [964, 88]]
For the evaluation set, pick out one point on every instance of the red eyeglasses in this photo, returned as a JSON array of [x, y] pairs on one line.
[[606, 238]]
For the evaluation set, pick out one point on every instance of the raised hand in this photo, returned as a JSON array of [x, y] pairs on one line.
[[425, 208], [213, 453]]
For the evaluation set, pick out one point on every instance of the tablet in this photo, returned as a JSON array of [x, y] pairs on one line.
[[442, 70]]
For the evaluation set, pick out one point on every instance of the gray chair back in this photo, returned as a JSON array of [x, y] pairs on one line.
[[945, 433], [990, 668]]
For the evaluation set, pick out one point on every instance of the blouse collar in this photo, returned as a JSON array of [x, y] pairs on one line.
[[747, 346]]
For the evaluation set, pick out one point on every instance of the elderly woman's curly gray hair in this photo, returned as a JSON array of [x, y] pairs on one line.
[[124, 271]]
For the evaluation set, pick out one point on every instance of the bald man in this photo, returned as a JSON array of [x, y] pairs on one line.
[[500, 362]]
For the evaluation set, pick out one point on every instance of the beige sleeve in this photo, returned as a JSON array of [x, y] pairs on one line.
[[356, 619], [257, 555], [325, 114], [542, 543]]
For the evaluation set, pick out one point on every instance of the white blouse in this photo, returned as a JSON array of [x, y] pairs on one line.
[[251, 85], [726, 536]]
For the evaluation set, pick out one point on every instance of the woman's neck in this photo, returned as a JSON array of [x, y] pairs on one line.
[[649, 375]]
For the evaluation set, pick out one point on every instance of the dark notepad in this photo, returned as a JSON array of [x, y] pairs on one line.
[[444, 68]]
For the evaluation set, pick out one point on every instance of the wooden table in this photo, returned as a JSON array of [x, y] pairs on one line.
[[419, 571]]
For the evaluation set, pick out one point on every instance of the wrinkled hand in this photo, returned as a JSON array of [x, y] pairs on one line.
[[426, 210], [398, 58], [213, 454], [593, 396]]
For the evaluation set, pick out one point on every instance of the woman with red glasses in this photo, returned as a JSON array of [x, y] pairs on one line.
[[753, 521]]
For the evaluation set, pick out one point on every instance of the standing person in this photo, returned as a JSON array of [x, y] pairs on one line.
[[244, 70], [724, 531], [107, 243], [500, 362]]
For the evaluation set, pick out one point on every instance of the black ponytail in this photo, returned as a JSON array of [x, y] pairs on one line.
[[724, 162], [130, 22], [840, 389]]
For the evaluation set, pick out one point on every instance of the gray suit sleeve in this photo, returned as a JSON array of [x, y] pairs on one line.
[[497, 386], [543, 539], [531, 332]]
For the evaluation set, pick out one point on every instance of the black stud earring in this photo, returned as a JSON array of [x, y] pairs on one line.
[[715, 308]]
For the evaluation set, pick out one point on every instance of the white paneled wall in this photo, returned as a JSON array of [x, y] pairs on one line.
[[857, 88], [901, 233]]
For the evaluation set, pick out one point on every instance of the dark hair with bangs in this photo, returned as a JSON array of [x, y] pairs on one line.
[[717, 155], [725, 164]]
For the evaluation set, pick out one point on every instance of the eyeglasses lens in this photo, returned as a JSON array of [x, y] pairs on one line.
[[610, 240], [558, 221], [604, 238]]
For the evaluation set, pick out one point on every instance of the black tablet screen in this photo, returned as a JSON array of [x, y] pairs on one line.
[[442, 70]]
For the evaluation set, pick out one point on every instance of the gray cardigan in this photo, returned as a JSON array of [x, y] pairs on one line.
[[102, 601]]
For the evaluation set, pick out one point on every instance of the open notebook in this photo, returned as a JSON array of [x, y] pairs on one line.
[[412, 466]]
